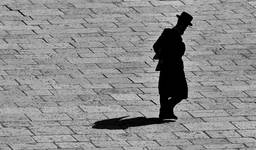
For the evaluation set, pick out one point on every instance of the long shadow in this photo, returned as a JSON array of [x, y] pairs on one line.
[[121, 123]]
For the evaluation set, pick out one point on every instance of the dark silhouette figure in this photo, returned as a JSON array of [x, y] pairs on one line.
[[121, 123], [169, 49]]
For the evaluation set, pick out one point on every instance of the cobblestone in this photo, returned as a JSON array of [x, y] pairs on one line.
[[66, 65], [33, 146]]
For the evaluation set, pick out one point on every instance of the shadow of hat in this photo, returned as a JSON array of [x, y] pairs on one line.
[[185, 18]]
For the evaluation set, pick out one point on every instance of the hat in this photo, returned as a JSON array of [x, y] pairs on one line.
[[186, 18]]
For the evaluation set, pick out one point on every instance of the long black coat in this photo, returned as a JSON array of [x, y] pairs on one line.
[[169, 50]]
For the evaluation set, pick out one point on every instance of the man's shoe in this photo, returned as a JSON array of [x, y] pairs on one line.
[[167, 116]]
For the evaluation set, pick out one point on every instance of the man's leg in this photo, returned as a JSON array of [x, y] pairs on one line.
[[172, 103], [166, 108], [162, 93], [163, 103]]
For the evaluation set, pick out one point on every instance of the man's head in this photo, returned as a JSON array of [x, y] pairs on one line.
[[184, 20]]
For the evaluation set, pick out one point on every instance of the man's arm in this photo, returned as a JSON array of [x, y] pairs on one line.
[[159, 44]]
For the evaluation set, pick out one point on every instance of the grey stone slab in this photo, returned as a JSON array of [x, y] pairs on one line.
[[33, 146], [210, 126], [50, 130]]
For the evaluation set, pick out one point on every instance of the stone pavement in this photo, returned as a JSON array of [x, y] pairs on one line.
[[67, 64]]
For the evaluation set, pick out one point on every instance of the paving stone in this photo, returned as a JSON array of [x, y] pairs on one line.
[[69, 110], [192, 147], [97, 109], [125, 97], [209, 113], [11, 131], [92, 137], [48, 117], [126, 137], [16, 139], [89, 130], [5, 147], [97, 86], [191, 135], [224, 146], [189, 119], [223, 134], [36, 104], [241, 140], [15, 123], [38, 92], [141, 143], [126, 85], [214, 106], [74, 122], [90, 116], [247, 133], [92, 60], [44, 123], [130, 148], [245, 124], [174, 142], [70, 92], [244, 105], [210, 126], [48, 130], [110, 144], [33, 146], [110, 80], [13, 117], [202, 141], [241, 112], [75, 145], [53, 138]]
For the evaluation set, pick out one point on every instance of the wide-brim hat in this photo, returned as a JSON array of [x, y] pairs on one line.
[[185, 18]]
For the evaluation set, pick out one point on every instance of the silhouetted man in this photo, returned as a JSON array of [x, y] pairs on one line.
[[169, 49]]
